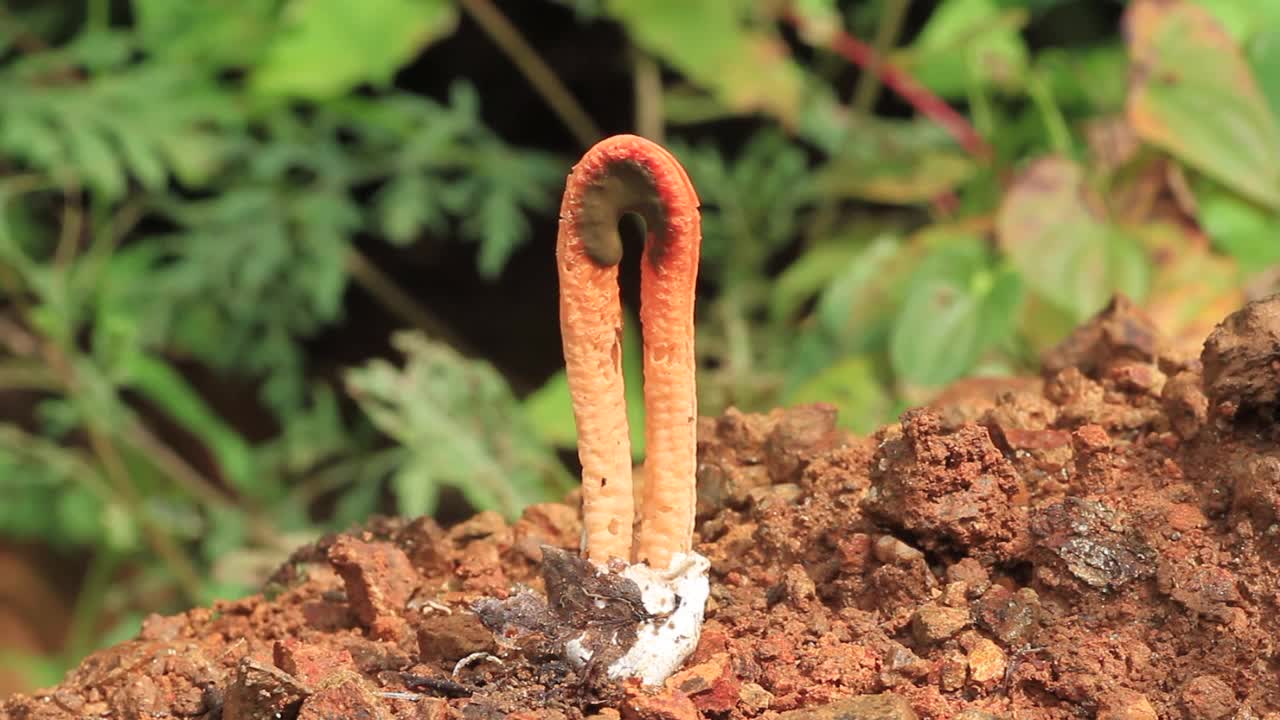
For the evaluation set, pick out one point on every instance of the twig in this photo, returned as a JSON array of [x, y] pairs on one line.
[[918, 96], [72, 226], [21, 343], [648, 96], [393, 297], [535, 69], [184, 572], [868, 88]]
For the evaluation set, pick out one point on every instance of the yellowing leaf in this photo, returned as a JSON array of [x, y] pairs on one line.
[[331, 46], [1194, 95], [1065, 252], [747, 68], [1192, 289]]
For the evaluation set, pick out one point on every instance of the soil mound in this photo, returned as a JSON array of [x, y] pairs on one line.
[[1101, 542]]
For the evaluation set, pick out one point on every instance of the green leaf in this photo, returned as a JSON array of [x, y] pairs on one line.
[[1093, 78], [851, 309], [854, 387], [901, 162], [717, 46], [330, 46], [416, 491], [1189, 63], [459, 425], [1063, 250], [1241, 229], [1264, 58], [957, 307], [808, 275], [967, 44]]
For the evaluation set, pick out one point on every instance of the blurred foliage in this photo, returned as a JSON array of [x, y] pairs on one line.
[[182, 186]]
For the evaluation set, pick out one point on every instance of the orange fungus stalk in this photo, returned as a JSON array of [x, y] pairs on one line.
[[625, 176]]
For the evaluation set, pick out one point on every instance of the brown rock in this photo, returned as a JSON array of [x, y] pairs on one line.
[[1127, 705], [754, 699], [1121, 331], [976, 715], [885, 706], [1209, 697], [952, 673], [1208, 591], [949, 489], [970, 572], [800, 433], [987, 663], [1093, 543], [453, 637], [667, 704], [423, 542], [890, 550], [1185, 404], [351, 699], [1013, 618], [311, 664], [1242, 357], [932, 624], [1255, 486], [261, 691], [379, 580], [712, 685], [138, 699], [554, 524]]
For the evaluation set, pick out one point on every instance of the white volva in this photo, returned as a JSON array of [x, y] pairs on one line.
[[662, 645]]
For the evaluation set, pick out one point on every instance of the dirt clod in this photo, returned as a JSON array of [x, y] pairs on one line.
[[379, 580], [667, 704], [1241, 357], [262, 691], [1093, 542], [1101, 542], [931, 624], [864, 707], [348, 700], [311, 665]]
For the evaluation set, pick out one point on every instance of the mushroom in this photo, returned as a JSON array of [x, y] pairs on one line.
[[621, 179]]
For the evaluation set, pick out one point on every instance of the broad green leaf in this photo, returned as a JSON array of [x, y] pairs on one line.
[[207, 35], [808, 275], [330, 46], [967, 44], [851, 310], [1242, 18], [549, 409], [957, 307], [1264, 57], [854, 387], [1242, 229], [716, 46], [1064, 251], [1195, 96], [1095, 78]]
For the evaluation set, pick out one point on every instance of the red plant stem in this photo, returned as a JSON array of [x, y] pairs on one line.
[[917, 95]]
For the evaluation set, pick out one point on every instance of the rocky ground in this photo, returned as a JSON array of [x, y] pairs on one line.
[[1101, 542]]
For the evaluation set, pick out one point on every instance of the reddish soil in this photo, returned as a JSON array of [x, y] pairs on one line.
[[1101, 542]]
